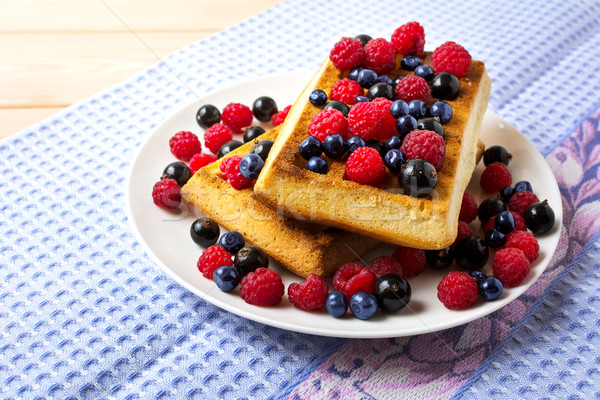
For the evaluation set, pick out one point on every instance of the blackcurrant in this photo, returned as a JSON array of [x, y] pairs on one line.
[[228, 147], [253, 133], [207, 116], [204, 232], [178, 171], [489, 208], [262, 148], [337, 105], [263, 108], [471, 253], [418, 178], [539, 217], [430, 124], [445, 86], [392, 292], [249, 259], [496, 154], [440, 259], [382, 89]]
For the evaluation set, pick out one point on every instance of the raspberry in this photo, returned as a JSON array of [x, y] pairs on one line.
[[309, 295], [468, 208], [426, 145], [453, 58], [519, 223], [457, 290], [463, 231], [165, 194], [365, 166], [351, 278], [385, 265], [237, 116], [262, 287], [211, 259], [216, 136], [346, 54], [494, 177], [524, 241], [413, 87], [409, 39], [365, 120], [184, 145], [231, 173], [521, 200], [388, 127], [511, 266], [328, 122], [380, 56], [346, 90], [201, 160], [413, 261], [279, 117]]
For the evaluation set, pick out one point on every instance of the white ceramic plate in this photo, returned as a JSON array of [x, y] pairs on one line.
[[165, 235]]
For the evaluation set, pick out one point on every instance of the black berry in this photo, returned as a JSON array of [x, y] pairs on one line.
[[204, 232]]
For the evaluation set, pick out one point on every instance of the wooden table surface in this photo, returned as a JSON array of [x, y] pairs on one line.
[[56, 52]]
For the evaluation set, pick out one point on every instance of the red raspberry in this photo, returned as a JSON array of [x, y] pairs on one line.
[[463, 230], [413, 261], [309, 295], [346, 54], [262, 287], [165, 194], [224, 165], [468, 208], [351, 278], [427, 145], [385, 265], [521, 200], [409, 39], [519, 222], [346, 90], [457, 290], [211, 259], [279, 117], [231, 173], [511, 266], [216, 136], [328, 122], [237, 116], [388, 127], [413, 87], [380, 56], [494, 177], [201, 160], [184, 145], [365, 120], [365, 166], [453, 58], [524, 241]]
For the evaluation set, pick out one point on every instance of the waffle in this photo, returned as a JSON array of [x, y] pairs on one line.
[[301, 247], [383, 213]]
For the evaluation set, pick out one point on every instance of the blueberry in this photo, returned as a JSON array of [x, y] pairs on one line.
[[207, 116], [318, 98], [337, 105], [417, 108], [471, 253], [310, 147], [263, 108], [539, 217], [178, 171], [249, 259], [262, 148], [522, 186], [442, 110], [252, 133], [394, 159], [227, 278], [364, 39], [489, 208], [392, 292], [440, 259], [232, 241], [334, 146], [382, 89], [405, 125], [353, 74], [393, 143], [318, 165], [425, 72], [410, 62], [363, 305], [380, 147], [418, 178], [385, 79], [431, 124], [496, 154], [505, 222], [445, 86], [506, 193], [228, 147], [494, 238], [366, 78], [479, 276], [354, 143], [399, 108], [491, 288], [204, 232], [362, 99], [251, 165], [335, 304]]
